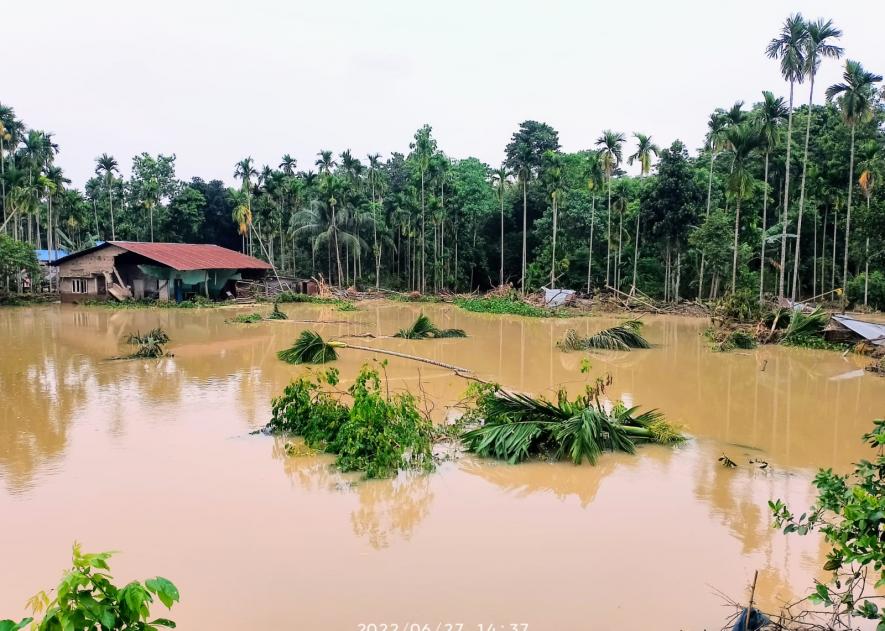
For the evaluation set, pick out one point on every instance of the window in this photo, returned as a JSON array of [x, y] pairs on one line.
[[78, 285]]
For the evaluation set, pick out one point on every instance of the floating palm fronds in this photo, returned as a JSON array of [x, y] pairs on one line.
[[149, 345], [518, 426], [422, 328], [805, 325], [618, 338], [311, 348], [277, 314], [246, 318]]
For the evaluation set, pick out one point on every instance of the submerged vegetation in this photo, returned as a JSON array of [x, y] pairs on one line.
[[246, 318], [86, 599], [311, 348], [378, 434], [508, 306], [514, 427], [340, 303], [422, 328], [149, 345], [623, 337], [849, 512]]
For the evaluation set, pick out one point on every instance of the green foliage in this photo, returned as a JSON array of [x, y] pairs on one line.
[[804, 326], [740, 306], [422, 328], [289, 296], [515, 427], [492, 304], [277, 314], [378, 435], [246, 318], [849, 512], [875, 290], [87, 600], [309, 348], [197, 302], [149, 345], [16, 257], [623, 337]]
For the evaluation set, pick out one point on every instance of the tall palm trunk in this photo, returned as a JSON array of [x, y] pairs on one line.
[[111, 206], [635, 254], [620, 239], [793, 294], [833, 266], [590, 246], [709, 197], [553, 256], [866, 271], [501, 270], [785, 213], [734, 263], [608, 250], [764, 227], [423, 239], [337, 249], [524, 233], [848, 218]]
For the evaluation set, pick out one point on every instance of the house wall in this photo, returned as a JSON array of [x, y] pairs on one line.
[[91, 268]]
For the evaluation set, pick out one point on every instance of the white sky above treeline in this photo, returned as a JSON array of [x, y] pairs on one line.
[[214, 81]]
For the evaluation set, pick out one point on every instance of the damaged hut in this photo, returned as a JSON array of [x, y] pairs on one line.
[[119, 270]]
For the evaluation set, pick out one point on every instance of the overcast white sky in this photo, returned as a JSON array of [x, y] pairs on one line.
[[214, 81]]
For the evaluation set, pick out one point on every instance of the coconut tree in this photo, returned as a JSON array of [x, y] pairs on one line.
[[742, 140], [716, 127], [817, 46], [553, 180], [611, 153], [245, 171], [855, 95], [771, 113], [645, 149], [499, 179], [105, 167], [789, 47], [594, 177]]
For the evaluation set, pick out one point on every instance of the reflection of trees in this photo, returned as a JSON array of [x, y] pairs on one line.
[[386, 509], [558, 478]]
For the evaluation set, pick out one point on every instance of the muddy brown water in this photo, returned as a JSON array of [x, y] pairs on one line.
[[155, 459]]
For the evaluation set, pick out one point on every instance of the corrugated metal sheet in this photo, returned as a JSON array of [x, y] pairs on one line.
[[192, 256], [871, 331]]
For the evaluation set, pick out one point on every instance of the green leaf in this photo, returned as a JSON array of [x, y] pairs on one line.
[[9, 625], [164, 589], [163, 622]]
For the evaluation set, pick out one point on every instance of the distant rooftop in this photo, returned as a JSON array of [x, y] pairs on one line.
[[44, 256]]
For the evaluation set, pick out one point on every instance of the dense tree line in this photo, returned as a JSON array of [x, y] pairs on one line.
[[782, 199]]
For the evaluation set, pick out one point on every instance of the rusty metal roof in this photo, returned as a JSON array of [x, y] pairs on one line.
[[183, 256]]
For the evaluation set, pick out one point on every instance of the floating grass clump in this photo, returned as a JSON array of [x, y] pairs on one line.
[[276, 314], [290, 296], [148, 346], [311, 348], [623, 337], [378, 434], [493, 304], [515, 427], [246, 318], [423, 329]]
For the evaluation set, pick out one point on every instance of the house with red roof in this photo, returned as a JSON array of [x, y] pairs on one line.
[[119, 270]]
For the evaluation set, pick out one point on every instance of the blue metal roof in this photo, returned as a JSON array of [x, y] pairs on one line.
[[44, 256]]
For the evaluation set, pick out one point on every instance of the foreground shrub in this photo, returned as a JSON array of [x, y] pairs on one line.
[[377, 434], [148, 345], [87, 600]]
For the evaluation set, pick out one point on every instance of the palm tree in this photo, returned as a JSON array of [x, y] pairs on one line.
[[288, 165], [106, 165], [855, 97], [645, 148], [374, 167], [553, 178], [499, 177], [594, 176], [865, 181], [325, 162], [611, 153], [772, 112], [789, 47], [743, 139], [523, 164], [817, 46], [423, 147], [245, 171], [716, 127]]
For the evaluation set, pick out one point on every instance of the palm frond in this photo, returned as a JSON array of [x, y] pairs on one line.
[[149, 344], [422, 328], [619, 338], [806, 324], [277, 313], [510, 441], [309, 348]]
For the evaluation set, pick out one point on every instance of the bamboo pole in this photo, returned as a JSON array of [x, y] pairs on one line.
[[433, 362]]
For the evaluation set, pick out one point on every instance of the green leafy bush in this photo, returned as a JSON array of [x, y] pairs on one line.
[[377, 434], [875, 290], [289, 296], [87, 600], [740, 306], [491, 304], [149, 345], [850, 513]]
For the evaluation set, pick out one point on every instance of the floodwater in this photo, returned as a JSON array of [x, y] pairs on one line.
[[155, 459]]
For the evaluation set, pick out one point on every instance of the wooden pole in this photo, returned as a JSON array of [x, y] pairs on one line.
[[752, 596]]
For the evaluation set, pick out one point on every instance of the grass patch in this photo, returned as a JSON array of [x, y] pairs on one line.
[[289, 296], [198, 302], [378, 434], [422, 329], [246, 318], [492, 304]]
